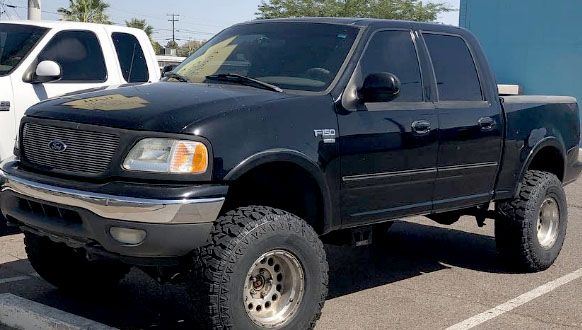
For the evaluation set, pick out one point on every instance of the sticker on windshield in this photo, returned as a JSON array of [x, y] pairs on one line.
[[4, 106], [108, 103]]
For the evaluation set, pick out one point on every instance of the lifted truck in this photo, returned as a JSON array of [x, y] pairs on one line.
[[273, 138]]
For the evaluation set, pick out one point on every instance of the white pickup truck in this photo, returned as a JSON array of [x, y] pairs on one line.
[[40, 60]]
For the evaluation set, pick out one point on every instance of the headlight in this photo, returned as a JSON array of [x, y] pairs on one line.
[[167, 156]]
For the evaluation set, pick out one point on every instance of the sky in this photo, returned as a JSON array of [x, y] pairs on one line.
[[198, 20]]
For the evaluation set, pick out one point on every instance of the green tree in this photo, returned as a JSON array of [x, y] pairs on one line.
[[90, 11], [414, 10], [172, 44], [190, 47], [148, 29], [157, 47], [142, 25]]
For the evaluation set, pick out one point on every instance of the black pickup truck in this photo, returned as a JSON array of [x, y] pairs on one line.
[[274, 138]]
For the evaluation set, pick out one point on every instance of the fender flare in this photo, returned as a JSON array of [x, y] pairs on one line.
[[549, 141], [290, 156]]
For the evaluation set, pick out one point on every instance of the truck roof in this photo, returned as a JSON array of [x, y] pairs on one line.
[[363, 22], [67, 25]]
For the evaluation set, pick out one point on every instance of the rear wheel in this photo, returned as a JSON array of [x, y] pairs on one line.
[[530, 230], [69, 270], [263, 268]]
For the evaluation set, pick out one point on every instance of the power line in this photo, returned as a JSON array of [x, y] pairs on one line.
[[173, 20], [157, 18], [4, 6], [4, 10]]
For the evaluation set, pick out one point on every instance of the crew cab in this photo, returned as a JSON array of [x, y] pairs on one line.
[[41, 60], [273, 138]]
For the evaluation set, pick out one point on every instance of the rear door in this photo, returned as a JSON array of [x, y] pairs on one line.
[[470, 130], [131, 57], [389, 149]]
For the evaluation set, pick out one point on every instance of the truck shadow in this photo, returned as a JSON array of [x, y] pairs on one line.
[[410, 250], [6, 230]]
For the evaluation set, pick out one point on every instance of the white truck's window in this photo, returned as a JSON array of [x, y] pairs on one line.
[[79, 54], [131, 57], [455, 70], [16, 41]]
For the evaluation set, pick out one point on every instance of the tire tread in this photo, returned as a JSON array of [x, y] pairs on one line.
[[213, 260], [512, 227]]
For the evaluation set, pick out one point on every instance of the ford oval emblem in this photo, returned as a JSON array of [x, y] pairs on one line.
[[57, 146]]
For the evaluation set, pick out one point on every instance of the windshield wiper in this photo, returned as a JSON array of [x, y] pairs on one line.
[[243, 80], [177, 76]]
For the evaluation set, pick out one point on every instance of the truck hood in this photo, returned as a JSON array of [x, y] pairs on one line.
[[161, 107]]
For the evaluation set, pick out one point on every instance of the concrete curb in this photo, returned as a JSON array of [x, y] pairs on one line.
[[20, 313]]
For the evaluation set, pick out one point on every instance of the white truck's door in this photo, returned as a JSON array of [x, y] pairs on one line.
[[7, 117], [80, 55], [17, 41]]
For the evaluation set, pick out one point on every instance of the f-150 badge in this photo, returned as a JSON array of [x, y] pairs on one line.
[[328, 135], [4, 106]]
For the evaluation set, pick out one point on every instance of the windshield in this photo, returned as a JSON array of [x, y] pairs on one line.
[[16, 41], [298, 55]]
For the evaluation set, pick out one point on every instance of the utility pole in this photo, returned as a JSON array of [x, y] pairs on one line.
[[34, 12], [174, 19]]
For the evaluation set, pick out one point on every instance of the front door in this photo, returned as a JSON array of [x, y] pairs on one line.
[[389, 149], [470, 136], [82, 63], [7, 118]]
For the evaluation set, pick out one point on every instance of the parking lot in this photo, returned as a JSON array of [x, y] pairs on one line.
[[423, 276]]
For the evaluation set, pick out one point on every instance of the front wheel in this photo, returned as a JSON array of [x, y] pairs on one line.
[[263, 268], [530, 230]]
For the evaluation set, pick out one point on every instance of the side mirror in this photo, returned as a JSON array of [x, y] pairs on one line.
[[380, 87], [47, 71], [168, 68]]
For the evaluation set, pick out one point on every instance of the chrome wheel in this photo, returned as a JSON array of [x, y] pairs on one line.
[[548, 223], [274, 288]]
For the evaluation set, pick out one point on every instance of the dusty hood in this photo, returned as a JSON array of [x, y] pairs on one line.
[[161, 107]]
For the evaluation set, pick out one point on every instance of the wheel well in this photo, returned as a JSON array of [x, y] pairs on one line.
[[549, 159], [281, 185]]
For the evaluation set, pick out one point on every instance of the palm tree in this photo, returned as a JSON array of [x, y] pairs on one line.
[[148, 29], [142, 25], [91, 11]]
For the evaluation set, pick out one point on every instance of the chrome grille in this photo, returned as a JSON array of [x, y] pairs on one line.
[[86, 152]]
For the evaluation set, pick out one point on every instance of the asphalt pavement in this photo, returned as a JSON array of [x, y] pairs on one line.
[[424, 276]]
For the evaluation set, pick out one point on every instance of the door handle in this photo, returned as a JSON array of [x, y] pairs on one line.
[[487, 123], [421, 127]]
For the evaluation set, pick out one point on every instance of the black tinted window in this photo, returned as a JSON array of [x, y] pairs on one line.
[[79, 55], [131, 57], [16, 41], [455, 70], [394, 52]]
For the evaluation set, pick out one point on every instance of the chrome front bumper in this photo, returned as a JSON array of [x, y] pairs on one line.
[[154, 211]]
